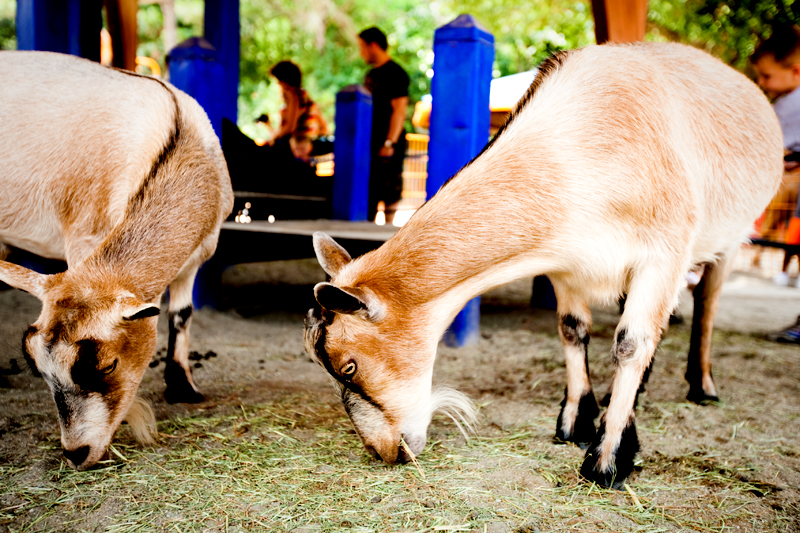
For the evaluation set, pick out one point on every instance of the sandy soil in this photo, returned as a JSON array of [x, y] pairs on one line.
[[516, 374]]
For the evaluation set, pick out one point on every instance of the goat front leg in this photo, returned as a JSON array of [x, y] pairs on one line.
[[609, 459], [178, 373], [579, 407], [706, 302]]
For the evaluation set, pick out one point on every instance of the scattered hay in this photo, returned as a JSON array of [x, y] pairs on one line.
[[281, 467]]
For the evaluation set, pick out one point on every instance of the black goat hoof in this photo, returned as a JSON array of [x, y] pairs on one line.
[[698, 395], [179, 388], [173, 395], [620, 468]]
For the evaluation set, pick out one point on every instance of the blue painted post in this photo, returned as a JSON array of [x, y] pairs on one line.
[[351, 152], [194, 69], [222, 31], [543, 296], [65, 26], [42, 25], [463, 56], [85, 20]]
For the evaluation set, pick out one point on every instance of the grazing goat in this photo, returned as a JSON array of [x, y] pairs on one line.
[[122, 176], [621, 168]]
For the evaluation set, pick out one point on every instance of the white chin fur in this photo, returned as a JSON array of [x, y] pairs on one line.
[[142, 421], [457, 406]]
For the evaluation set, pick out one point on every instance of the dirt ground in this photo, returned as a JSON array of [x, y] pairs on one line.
[[734, 466]]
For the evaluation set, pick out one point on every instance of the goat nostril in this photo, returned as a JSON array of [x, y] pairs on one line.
[[402, 456], [374, 453], [77, 456]]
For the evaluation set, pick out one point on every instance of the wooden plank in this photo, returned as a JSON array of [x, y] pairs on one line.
[[247, 194], [338, 229]]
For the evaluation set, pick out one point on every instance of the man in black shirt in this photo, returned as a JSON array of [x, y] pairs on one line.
[[388, 83]]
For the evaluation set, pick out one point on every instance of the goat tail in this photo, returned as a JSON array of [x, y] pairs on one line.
[[458, 407], [142, 421]]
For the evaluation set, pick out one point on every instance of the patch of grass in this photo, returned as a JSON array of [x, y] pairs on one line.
[[297, 465]]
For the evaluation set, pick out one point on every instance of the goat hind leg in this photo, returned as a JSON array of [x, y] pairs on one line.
[[706, 301], [579, 407], [178, 372]]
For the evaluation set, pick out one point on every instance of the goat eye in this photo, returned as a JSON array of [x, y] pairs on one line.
[[349, 369], [110, 368]]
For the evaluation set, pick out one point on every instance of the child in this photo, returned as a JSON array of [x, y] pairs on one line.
[[777, 62]]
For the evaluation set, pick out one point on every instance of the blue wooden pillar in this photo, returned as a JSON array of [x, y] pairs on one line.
[[195, 69], [65, 26], [352, 153], [222, 31], [85, 22], [462, 66], [543, 296], [462, 75]]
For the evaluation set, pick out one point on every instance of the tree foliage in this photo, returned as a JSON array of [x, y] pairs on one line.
[[8, 29], [729, 29]]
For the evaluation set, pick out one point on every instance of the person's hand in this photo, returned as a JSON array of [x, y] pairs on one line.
[[386, 151]]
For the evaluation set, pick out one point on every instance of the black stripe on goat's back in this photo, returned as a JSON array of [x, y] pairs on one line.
[[166, 152], [545, 70]]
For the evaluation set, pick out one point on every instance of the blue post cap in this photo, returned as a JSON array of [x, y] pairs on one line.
[[463, 28], [354, 92], [194, 48]]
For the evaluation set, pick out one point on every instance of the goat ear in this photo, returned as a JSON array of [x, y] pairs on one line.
[[330, 254], [333, 298], [141, 311], [23, 279]]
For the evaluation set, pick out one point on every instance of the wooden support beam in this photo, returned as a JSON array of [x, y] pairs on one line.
[[619, 21], [121, 15]]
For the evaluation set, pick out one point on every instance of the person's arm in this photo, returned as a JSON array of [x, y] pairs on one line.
[[289, 115], [396, 123]]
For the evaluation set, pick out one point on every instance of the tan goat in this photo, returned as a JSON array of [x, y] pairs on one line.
[[122, 176], [620, 169]]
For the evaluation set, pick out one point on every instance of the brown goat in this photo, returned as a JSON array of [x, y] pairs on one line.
[[621, 168], [122, 176]]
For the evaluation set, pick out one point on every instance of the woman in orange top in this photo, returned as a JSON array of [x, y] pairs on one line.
[[301, 121]]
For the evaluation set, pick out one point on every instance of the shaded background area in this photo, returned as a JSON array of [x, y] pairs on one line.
[[320, 36]]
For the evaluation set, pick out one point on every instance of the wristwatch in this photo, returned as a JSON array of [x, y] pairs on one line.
[[388, 144]]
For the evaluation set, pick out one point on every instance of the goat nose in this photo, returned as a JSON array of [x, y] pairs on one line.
[[77, 456]]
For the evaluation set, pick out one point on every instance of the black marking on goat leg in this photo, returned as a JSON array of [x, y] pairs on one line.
[[622, 464], [179, 387], [574, 331], [178, 320], [624, 349], [583, 427]]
